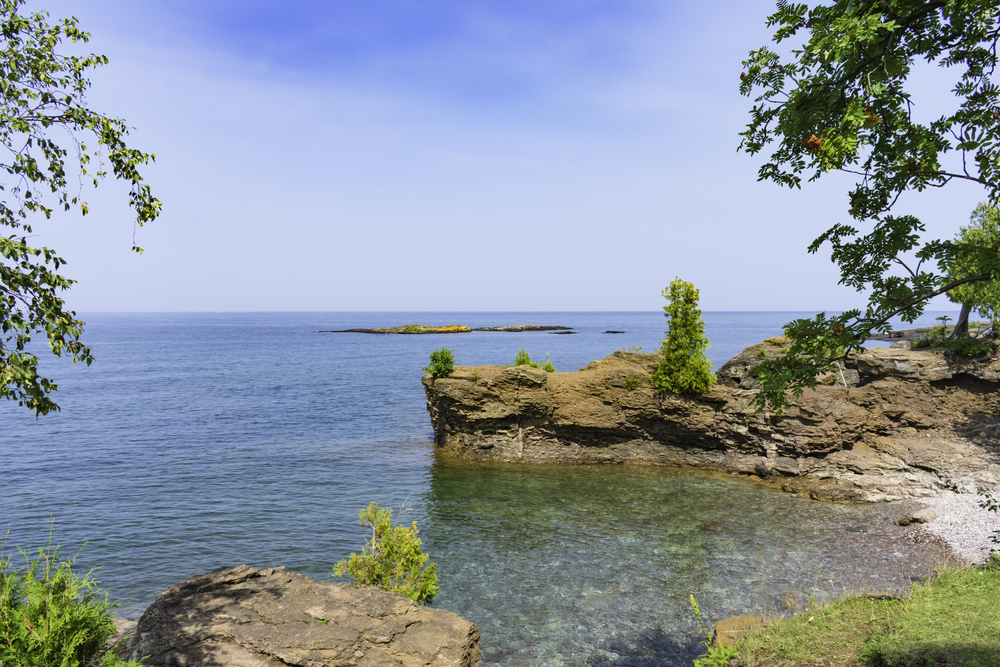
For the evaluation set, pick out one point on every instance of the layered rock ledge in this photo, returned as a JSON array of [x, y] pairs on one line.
[[891, 424], [271, 618]]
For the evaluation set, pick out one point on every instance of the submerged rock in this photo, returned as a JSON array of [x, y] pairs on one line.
[[889, 424], [269, 618]]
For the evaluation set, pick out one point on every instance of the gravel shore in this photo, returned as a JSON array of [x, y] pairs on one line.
[[964, 525]]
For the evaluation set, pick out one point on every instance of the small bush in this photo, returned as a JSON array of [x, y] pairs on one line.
[[632, 383], [969, 347], [937, 339], [51, 616], [523, 359], [442, 363], [392, 560], [684, 369]]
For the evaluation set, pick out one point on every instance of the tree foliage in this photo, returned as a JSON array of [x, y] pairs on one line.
[[684, 368], [44, 122], [841, 103], [51, 617], [983, 233], [392, 559]]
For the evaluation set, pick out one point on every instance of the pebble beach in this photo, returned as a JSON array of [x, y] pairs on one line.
[[964, 525]]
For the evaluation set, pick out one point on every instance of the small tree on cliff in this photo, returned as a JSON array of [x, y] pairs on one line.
[[983, 235], [684, 369]]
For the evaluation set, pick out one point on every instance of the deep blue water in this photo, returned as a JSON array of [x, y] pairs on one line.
[[200, 440]]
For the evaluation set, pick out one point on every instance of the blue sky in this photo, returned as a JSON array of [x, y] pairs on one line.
[[334, 155]]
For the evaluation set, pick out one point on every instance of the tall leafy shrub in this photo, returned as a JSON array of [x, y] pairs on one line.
[[392, 560], [442, 363], [684, 369], [51, 617]]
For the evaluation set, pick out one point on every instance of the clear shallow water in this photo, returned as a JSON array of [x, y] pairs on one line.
[[200, 440]]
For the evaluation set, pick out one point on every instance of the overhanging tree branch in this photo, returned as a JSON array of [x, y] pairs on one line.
[[845, 107], [40, 90]]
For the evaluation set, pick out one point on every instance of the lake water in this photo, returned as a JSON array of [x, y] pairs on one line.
[[201, 440]]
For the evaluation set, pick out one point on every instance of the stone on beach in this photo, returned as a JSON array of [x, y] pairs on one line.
[[920, 516]]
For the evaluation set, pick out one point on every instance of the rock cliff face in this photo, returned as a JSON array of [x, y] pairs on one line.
[[238, 617], [893, 423]]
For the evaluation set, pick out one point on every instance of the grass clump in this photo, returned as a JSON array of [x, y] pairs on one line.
[[523, 359], [392, 559], [442, 363], [951, 620], [50, 616]]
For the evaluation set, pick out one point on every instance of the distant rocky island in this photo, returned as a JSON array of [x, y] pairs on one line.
[[449, 329]]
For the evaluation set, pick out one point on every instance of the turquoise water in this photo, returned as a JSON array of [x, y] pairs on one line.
[[201, 440]]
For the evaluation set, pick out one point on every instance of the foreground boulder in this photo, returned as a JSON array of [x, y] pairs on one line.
[[271, 618], [889, 424]]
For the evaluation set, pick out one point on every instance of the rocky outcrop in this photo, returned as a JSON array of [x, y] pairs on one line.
[[889, 424], [271, 618]]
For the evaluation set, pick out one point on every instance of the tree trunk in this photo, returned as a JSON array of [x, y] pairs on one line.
[[961, 329]]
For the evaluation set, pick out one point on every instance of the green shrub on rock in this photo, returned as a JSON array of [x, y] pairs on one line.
[[522, 358], [442, 363], [684, 369], [392, 560], [50, 616]]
